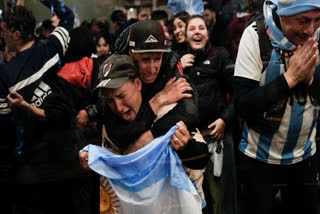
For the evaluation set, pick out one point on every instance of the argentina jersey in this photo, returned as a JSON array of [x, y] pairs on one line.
[[294, 140], [294, 137]]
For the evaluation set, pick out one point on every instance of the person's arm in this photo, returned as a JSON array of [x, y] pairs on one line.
[[187, 60], [225, 66], [218, 128], [315, 87], [193, 154], [173, 91], [179, 140], [181, 137], [7, 127], [60, 105], [194, 151], [249, 96], [302, 64], [56, 109], [91, 112], [16, 100], [138, 131], [144, 139], [64, 13], [5, 109], [56, 45], [83, 158], [186, 110], [82, 118]]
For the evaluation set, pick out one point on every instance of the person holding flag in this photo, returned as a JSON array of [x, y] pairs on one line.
[[150, 166]]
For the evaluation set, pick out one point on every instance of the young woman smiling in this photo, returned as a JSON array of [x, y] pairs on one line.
[[103, 43], [211, 70], [179, 29]]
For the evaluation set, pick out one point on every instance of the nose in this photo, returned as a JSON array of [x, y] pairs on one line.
[[310, 29], [152, 67], [197, 30], [118, 106]]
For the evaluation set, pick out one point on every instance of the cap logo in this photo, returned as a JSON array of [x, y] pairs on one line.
[[151, 39], [132, 43], [106, 69], [286, 1]]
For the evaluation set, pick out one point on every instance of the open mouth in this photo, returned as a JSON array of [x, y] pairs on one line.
[[126, 115], [197, 39], [150, 76]]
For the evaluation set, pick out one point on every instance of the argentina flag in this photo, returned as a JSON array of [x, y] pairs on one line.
[[150, 180]]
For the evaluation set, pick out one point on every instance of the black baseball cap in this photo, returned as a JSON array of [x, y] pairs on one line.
[[148, 36], [115, 71]]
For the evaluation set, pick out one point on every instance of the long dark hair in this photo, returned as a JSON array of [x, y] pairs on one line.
[[183, 16]]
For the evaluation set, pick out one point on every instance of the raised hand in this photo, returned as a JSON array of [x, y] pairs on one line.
[[82, 118], [187, 60], [83, 157], [181, 137], [15, 99], [173, 91], [302, 63]]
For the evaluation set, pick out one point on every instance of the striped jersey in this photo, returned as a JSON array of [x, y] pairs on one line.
[[294, 140], [25, 72]]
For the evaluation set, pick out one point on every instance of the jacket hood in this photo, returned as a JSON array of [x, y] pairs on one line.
[[78, 73]]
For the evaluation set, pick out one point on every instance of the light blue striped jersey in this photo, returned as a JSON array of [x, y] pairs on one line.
[[294, 140]]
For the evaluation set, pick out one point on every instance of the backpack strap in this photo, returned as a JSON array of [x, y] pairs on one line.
[[264, 42]]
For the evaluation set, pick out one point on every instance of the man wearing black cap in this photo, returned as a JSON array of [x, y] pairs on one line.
[[120, 87], [121, 90], [128, 115], [156, 67]]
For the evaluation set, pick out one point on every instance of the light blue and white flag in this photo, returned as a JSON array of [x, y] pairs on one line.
[[150, 180]]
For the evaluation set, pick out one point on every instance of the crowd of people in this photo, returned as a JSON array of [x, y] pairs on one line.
[[246, 109]]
